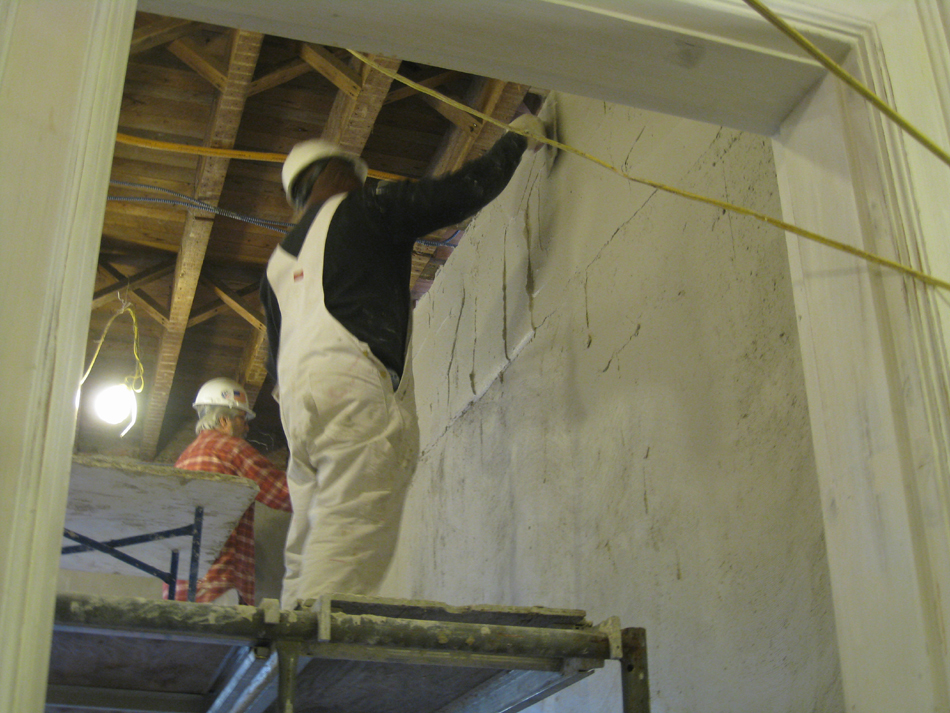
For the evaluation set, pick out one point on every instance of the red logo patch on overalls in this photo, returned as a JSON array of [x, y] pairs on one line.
[[298, 275]]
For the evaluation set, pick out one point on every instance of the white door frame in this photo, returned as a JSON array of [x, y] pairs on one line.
[[873, 345]]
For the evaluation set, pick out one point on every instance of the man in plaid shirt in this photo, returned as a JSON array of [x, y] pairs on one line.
[[220, 448]]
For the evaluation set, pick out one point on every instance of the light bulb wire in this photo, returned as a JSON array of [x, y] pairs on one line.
[[136, 381]]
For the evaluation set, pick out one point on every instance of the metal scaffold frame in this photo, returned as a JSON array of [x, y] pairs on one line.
[[533, 661]]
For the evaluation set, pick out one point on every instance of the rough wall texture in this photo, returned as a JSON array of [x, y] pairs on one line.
[[613, 415]]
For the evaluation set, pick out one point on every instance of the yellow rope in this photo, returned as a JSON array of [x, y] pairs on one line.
[[848, 79], [809, 235]]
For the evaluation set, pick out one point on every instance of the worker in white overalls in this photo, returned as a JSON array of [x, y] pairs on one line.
[[336, 296]]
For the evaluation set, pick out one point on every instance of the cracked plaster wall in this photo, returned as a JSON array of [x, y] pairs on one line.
[[613, 418]]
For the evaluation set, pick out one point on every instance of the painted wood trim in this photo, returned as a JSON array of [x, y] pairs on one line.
[[63, 138], [874, 350]]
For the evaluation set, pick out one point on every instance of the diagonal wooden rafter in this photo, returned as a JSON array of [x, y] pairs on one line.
[[432, 82], [140, 298], [290, 70], [208, 67], [218, 306], [226, 117], [130, 282], [160, 32], [347, 79], [233, 300]]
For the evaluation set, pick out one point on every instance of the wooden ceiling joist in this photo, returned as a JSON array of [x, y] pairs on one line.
[[346, 79], [160, 32], [245, 49]]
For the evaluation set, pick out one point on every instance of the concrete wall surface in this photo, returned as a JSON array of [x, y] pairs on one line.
[[613, 417]]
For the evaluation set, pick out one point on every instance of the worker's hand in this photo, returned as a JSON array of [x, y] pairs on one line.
[[532, 125]]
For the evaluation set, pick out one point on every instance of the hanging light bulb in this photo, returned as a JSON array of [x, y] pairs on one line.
[[114, 403]]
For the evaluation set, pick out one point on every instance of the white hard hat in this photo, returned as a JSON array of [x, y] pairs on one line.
[[223, 392], [306, 153]]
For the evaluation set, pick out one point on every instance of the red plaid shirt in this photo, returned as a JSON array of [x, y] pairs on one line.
[[214, 452]]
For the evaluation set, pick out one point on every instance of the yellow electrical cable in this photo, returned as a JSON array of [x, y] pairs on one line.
[[135, 382], [816, 237], [849, 79], [226, 153]]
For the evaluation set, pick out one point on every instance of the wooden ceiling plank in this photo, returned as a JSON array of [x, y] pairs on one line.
[[351, 119], [233, 300], [142, 299], [245, 49], [160, 32], [432, 82], [186, 50], [346, 78], [132, 282], [283, 74]]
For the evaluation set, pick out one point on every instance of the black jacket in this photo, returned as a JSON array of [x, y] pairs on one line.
[[368, 252]]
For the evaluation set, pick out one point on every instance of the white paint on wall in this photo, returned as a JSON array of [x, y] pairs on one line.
[[613, 412]]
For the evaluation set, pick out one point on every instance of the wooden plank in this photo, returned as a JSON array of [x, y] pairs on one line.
[[233, 300], [132, 282], [432, 82], [346, 78], [205, 66], [281, 75], [245, 49], [114, 498], [351, 118], [159, 32]]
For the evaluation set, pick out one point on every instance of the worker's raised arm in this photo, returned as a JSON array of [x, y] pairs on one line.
[[413, 209]]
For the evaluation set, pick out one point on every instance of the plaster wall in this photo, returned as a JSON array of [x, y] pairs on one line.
[[613, 412]]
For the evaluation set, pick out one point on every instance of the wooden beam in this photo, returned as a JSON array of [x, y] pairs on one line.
[[351, 119], [346, 78], [160, 32], [233, 300], [432, 82], [291, 70], [207, 67], [218, 306], [132, 282], [245, 48], [142, 299]]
